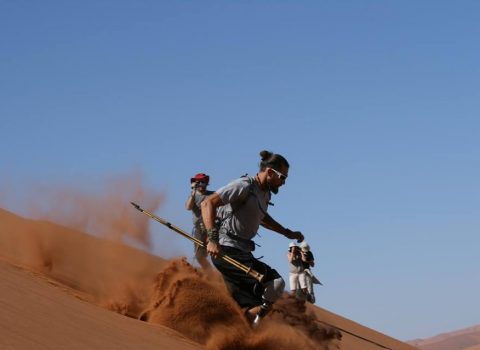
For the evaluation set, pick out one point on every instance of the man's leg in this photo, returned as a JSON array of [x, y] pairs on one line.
[[293, 279], [302, 292], [246, 290], [200, 253], [295, 286], [309, 282]]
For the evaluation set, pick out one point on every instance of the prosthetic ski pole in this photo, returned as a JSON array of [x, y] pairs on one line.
[[249, 271]]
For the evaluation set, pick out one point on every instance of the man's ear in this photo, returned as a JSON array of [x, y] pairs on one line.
[[269, 173]]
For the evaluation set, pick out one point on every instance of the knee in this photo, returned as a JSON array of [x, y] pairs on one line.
[[274, 290]]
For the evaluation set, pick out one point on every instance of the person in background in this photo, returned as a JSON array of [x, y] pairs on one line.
[[199, 192], [308, 261], [297, 280]]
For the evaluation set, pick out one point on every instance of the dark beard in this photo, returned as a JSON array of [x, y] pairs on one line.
[[274, 190]]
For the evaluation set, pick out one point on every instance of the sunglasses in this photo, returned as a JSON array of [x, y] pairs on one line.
[[280, 175]]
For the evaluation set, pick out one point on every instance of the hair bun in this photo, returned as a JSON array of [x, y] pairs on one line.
[[265, 155]]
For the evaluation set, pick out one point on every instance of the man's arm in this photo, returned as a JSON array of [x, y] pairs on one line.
[[311, 259], [209, 209], [307, 257], [190, 201], [269, 223]]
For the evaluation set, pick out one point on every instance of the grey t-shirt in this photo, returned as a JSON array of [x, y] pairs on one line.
[[198, 198], [249, 205]]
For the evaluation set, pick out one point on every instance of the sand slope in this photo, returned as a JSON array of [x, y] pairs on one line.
[[356, 336], [60, 286], [463, 339], [36, 313]]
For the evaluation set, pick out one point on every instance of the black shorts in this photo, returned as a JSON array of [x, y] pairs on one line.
[[246, 290]]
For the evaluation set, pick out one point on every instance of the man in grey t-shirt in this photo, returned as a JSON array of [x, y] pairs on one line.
[[240, 208], [199, 192]]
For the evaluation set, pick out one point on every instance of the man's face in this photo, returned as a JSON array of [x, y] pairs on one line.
[[200, 185], [277, 178]]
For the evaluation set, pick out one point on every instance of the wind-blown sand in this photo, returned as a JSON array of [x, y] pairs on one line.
[[62, 288]]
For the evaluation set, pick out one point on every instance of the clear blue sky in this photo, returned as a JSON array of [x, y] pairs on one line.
[[375, 104]]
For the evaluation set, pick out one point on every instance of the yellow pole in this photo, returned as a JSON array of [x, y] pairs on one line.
[[249, 271]]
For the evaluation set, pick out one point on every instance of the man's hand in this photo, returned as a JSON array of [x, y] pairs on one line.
[[294, 235], [213, 249]]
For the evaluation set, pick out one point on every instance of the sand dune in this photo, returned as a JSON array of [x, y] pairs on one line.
[[38, 313], [67, 289], [463, 339], [475, 347]]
